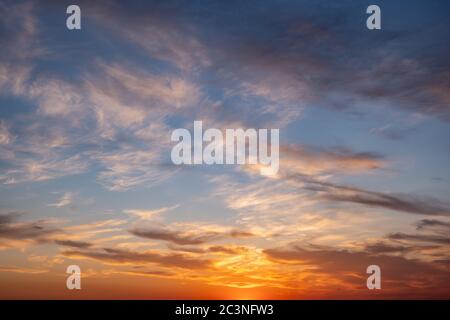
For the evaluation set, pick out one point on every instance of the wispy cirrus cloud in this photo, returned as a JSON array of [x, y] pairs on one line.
[[65, 200], [149, 214], [5, 135]]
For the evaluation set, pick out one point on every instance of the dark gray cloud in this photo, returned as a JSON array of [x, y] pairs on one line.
[[226, 249], [381, 247], [75, 244], [404, 203], [414, 204], [305, 158], [125, 256], [10, 217], [175, 237], [186, 238], [37, 230], [156, 273], [431, 223], [420, 238], [186, 248], [397, 272], [429, 240], [240, 234]]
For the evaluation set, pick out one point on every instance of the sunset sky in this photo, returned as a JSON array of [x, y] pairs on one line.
[[86, 176]]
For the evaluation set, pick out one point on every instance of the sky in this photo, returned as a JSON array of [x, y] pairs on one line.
[[86, 176]]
